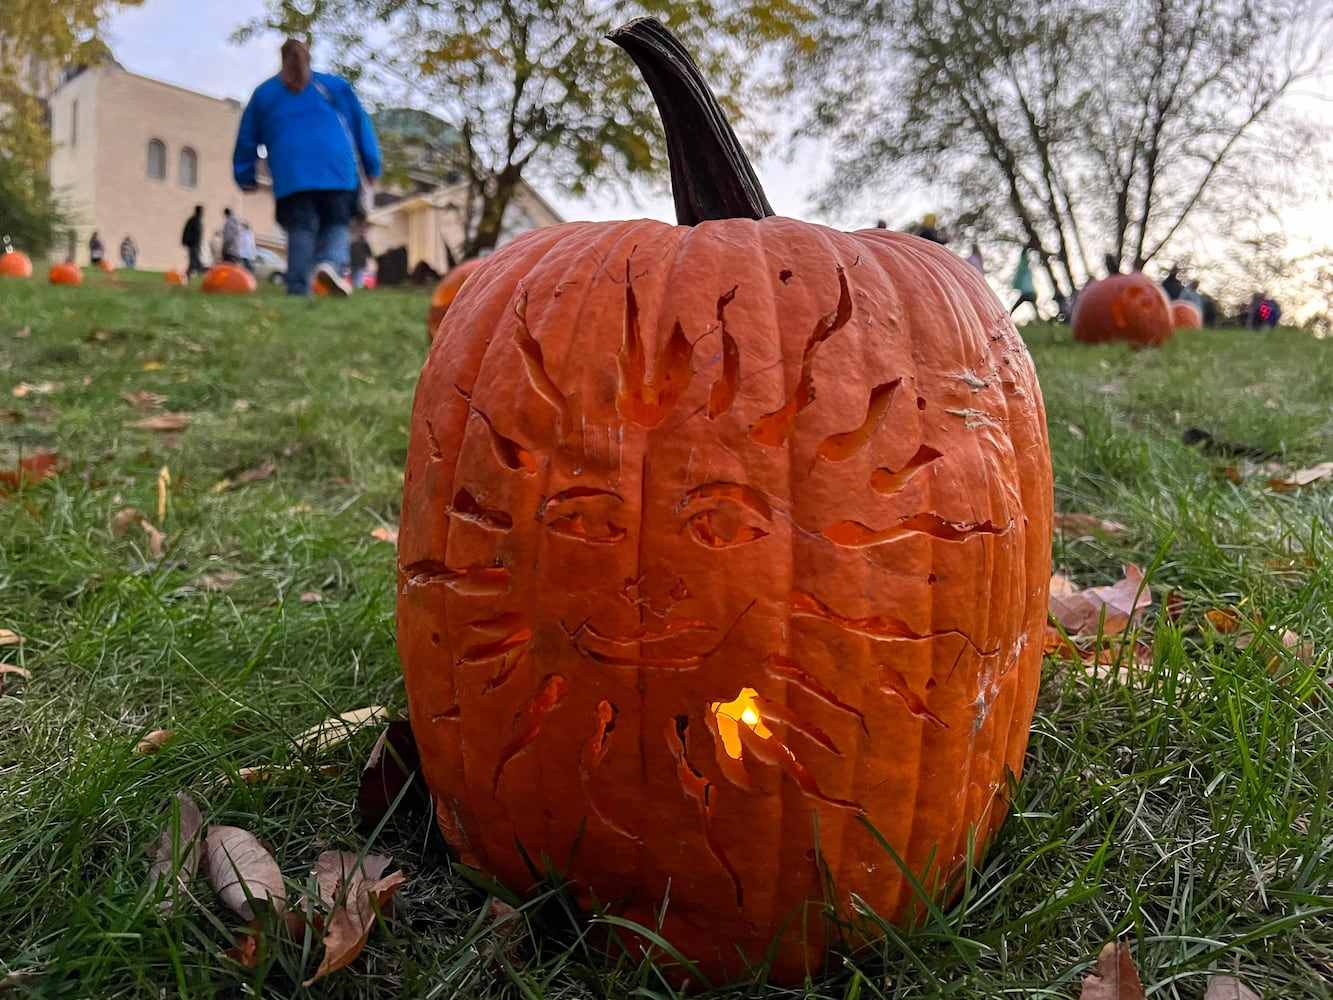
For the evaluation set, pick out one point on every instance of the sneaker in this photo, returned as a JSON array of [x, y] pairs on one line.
[[327, 281]]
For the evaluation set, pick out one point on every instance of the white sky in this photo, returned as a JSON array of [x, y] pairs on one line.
[[186, 42]]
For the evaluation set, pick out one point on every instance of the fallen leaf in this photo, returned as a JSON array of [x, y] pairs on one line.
[[1107, 610], [162, 422], [1087, 524], [331, 732], [1224, 620], [311, 597], [392, 775], [300, 508], [154, 741], [153, 366], [32, 469], [1302, 477], [221, 580], [23, 333], [9, 668], [509, 930], [10, 415], [262, 471], [163, 483], [143, 399], [24, 389], [245, 952], [240, 406], [8, 637], [241, 871], [1228, 988], [385, 534], [125, 519], [1115, 978], [176, 857], [356, 889]]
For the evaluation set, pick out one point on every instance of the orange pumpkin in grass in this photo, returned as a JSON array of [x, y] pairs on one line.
[[1186, 316], [724, 553], [1127, 307], [228, 278], [105, 265], [174, 277], [67, 273], [446, 291], [15, 264]]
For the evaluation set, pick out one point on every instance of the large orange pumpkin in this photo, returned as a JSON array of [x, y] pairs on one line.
[[15, 264], [724, 552], [228, 278], [1127, 307], [1186, 315], [446, 291], [67, 273]]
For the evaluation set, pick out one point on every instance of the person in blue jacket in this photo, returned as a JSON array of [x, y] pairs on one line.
[[320, 143]]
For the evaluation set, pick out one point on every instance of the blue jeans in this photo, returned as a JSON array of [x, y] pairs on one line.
[[317, 231]]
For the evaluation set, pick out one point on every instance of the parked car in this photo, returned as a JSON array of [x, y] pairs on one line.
[[269, 267]]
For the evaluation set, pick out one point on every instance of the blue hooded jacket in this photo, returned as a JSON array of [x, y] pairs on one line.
[[308, 147]]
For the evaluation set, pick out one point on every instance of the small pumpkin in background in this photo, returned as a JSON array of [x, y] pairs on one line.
[[724, 553], [15, 263], [1186, 315], [174, 277], [105, 265], [67, 273], [445, 292], [1127, 307], [229, 279]]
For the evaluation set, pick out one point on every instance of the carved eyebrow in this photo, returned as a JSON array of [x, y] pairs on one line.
[[575, 493], [746, 496]]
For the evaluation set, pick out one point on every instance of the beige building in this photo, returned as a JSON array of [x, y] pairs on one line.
[[133, 156]]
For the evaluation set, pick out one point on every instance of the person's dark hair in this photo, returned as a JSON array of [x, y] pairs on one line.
[[295, 74], [198, 209]]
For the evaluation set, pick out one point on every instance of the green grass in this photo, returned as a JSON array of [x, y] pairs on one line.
[[1185, 809]]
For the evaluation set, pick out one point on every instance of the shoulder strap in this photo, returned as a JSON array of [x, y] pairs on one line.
[[347, 131]]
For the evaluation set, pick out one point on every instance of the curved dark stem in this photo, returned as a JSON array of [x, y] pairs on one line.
[[711, 177]]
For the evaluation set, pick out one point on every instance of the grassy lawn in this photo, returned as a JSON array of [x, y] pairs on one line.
[[1180, 802]]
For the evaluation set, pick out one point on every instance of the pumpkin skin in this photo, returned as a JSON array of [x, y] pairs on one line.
[[651, 466], [1127, 307], [445, 292], [67, 273], [1186, 316], [15, 264], [229, 279], [176, 278]]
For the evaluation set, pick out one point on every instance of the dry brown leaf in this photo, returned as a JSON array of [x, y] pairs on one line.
[[143, 399], [331, 732], [176, 857], [162, 422], [1087, 524], [1109, 610], [1115, 978], [355, 888], [311, 597], [385, 534], [245, 952], [127, 518], [32, 469], [8, 637], [1302, 477], [262, 471], [221, 580], [9, 668], [240, 870], [24, 389], [154, 741], [1228, 988], [509, 931]]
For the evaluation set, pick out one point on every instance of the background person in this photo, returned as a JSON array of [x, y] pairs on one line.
[[231, 237], [129, 252], [316, 132], [96, 249], [192, 239]]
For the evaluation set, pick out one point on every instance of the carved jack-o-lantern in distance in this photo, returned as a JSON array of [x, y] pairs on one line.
[[1129, 307], [445, 293], [1186, 315], [715, 535]]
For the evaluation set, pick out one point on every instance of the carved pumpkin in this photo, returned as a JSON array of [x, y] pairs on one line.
[[67, 273], [176, 278], [15, 264], [721, 544], [228, 278], [446, 291], [1122, 307], [1186, 316]]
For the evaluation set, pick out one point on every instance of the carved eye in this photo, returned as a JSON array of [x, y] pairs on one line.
[[732, 514], [585, 514]]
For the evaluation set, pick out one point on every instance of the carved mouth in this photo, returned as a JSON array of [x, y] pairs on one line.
[[649, 645]]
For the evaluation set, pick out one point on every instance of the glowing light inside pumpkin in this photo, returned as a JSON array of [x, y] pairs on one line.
[[731, 714]]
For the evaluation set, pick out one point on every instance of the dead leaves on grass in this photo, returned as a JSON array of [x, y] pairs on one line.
[[354, 890], [31, 469], [125, 519], [1115, 977]]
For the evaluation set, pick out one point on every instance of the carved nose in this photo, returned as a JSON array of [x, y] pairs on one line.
[[661, 590]]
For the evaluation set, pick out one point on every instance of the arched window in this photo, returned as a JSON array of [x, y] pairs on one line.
[[157, 160], [189, 168]]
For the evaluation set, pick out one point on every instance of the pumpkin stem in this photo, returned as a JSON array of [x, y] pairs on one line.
[[711, 177]]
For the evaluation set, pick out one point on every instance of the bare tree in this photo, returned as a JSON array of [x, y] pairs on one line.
[[1093, 129]]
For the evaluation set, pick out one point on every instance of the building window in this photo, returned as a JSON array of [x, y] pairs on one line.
[[157, 160], [73, 124], [189, 168]]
